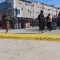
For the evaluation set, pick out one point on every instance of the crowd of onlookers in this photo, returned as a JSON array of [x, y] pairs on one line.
[[16, 22], [51, 22], [13, 23]]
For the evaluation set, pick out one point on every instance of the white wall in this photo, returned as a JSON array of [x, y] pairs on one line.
[[37, 9], [47, 10], [34, 9], [58, 10]]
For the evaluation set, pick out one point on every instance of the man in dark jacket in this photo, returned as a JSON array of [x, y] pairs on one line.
[[41, 22]]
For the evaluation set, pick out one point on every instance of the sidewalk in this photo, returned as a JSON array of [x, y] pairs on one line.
[[23, 31], [31, 30]]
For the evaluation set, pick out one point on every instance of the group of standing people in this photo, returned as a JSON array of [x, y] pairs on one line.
[[49, 21], [14, 22], [8, 23]]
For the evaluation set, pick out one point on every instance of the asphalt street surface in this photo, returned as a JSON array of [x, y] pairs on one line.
[[29, 50]]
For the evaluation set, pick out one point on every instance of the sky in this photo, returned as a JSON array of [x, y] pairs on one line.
[[2, 0], [49, 2]]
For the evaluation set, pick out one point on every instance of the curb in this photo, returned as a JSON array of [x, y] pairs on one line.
[[42, 37]]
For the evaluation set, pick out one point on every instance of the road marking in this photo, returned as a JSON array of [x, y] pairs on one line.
[[42, 37]]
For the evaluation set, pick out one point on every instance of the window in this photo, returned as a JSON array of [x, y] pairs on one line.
[[35, 12], [32, 5], [28, 10], [19, 3], [21, 8], [10, 5], [38, 7], [17, 11], [26, 4], [38, 12], [42, 8], [48, 9]]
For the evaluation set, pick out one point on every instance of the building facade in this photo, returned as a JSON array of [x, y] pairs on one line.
[[18, 8]]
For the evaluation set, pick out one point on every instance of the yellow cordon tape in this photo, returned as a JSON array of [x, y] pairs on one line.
[[43, 37]]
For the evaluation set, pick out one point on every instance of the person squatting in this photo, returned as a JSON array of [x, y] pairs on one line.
[[51, 22]]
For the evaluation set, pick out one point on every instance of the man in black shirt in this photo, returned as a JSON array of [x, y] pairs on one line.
[[41, 22]]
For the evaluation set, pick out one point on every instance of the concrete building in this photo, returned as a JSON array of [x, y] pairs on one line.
[[18, 8], [6, 7], [37, 7], [47, 9], [54, 10], [58, 10]]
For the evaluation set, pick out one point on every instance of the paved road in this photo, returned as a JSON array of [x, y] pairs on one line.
[[31, 30], [29, 50]]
